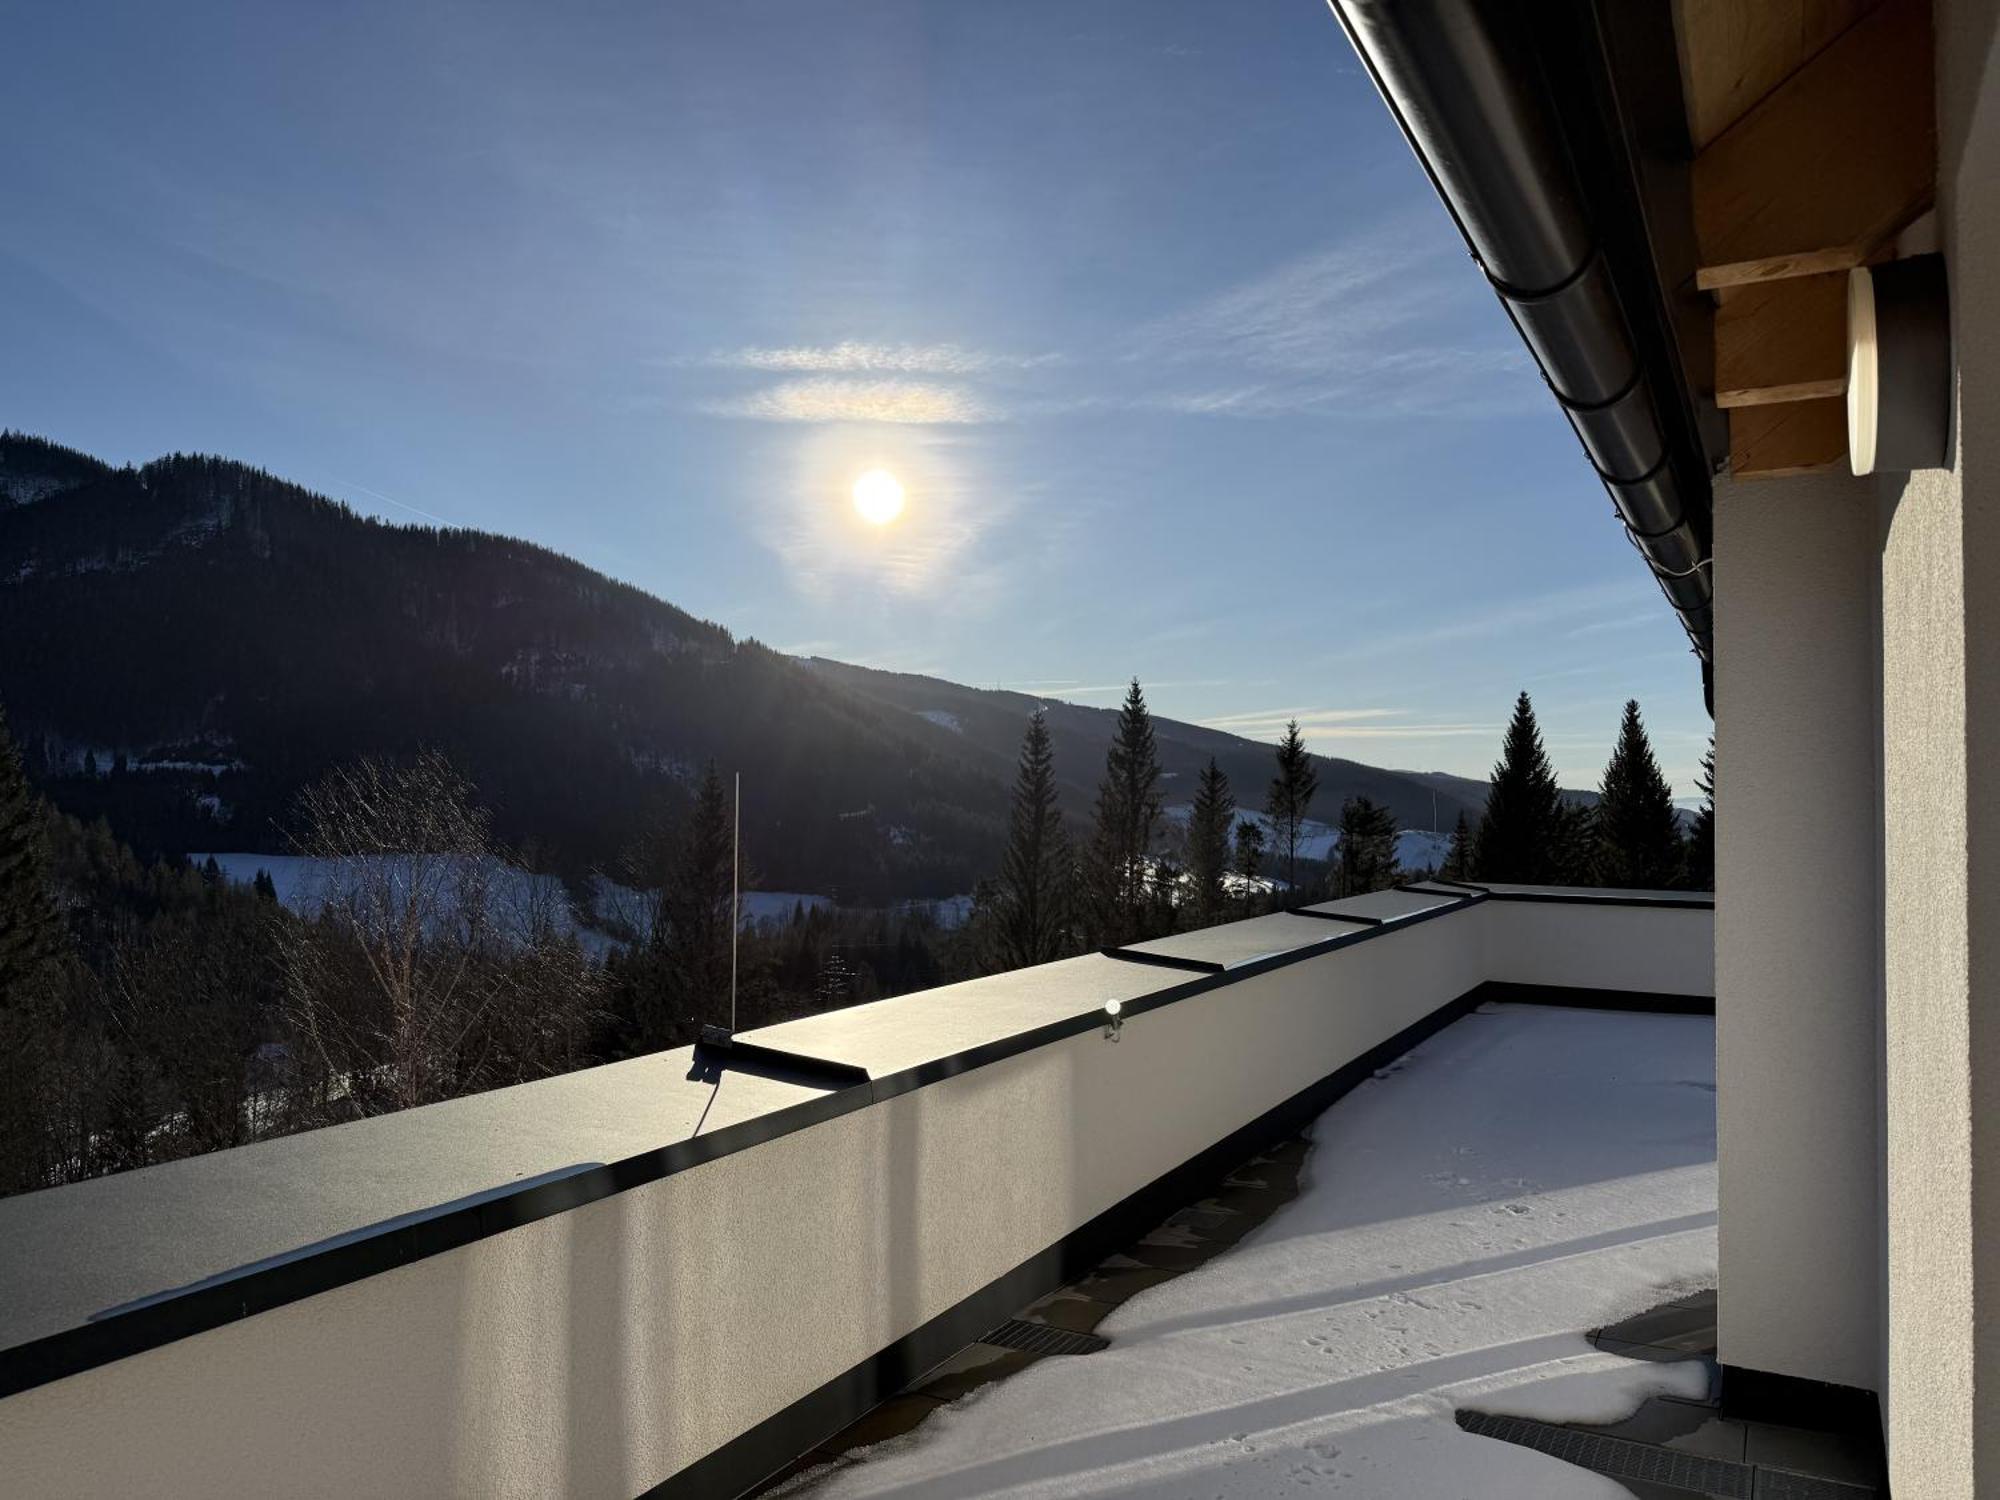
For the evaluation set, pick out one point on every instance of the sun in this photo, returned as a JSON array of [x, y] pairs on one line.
[[878, 497]]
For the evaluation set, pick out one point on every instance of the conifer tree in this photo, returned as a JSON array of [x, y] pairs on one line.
[[1458, 859], [1700, 862], [1290, 795], [1033, 917], [1208, 845], [1520, 829], [691, 921], [1367, 860], [1573, 845], [30, 930], [1117, 879], [1638, 838], [1249, 861], [31, 944]]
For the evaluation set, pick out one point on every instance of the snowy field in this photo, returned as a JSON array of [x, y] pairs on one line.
[[1416, 848], [303, 883], [1522, 1177]]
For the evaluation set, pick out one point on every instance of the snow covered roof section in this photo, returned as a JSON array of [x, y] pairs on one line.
[[1527, 1174], [74, 1255], [907, 1031], [1388, 905], [1242, 942]]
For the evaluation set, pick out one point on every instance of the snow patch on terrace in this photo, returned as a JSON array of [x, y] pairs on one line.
[[1524, 1176]]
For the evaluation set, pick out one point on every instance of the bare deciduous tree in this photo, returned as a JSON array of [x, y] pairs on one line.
[[428, 968]]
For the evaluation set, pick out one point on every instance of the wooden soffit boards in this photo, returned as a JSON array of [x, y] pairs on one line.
[[1829, 164], [1814, 127], [1781, 341], [1793, 437], [1734, 52]]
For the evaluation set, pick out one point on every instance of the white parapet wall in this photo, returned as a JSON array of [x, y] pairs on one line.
[[607, 1348]]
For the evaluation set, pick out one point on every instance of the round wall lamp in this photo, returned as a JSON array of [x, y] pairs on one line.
[[1898, 366]]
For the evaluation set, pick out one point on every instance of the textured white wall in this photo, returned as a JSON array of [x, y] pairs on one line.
[[1797, 916], [1940, 580], [1591, 948], [596, 1352]]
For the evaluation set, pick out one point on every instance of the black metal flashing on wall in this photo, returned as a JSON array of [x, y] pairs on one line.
[[1653, 1002], [368, 1251], [1165, 960], [1793, 1401], [1336, 916], [753, 1458], [1512, 111]]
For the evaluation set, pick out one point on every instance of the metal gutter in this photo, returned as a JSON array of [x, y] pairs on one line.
[[1468, 84]]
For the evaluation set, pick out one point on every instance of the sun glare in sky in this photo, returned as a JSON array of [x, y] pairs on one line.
[[878, 497]]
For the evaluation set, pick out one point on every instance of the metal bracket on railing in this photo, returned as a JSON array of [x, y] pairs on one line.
[[719, 1048]]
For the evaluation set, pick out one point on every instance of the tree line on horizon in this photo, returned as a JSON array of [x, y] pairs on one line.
[[1128, 877], [155, 1010]]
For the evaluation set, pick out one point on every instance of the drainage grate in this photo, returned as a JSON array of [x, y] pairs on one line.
[[1783, 1484], [1040, 1338], [1622, 1458]]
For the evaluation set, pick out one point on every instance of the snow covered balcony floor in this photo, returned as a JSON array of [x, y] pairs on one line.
[[1465, 1216], [675, 1275]]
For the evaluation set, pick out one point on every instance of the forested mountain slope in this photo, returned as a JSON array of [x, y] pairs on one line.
[[183, 646]]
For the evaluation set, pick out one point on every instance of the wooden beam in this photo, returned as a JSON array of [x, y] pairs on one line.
[[1734, 52], [1830, 165], [1798, 437], [1782, 341]]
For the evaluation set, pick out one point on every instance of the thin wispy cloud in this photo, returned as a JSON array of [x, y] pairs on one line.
[[1279, 717], [853, 356], [348, 484], [827, 399], [1409, 732], [1512, 616], [1374, 324], [1079, 689], [1324, 726], [1621, 622]]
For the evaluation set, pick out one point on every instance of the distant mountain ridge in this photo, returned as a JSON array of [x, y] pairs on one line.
[[991, 719], [189, 642]]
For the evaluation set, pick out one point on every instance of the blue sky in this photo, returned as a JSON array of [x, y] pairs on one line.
[[1147, 305]]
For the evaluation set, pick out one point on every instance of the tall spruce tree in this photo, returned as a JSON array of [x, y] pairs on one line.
[[1248, 863], [1033, 918], [30, 930], [1117, 877], [1573, 845], [1638, 837], [1367, 860], [1522, 825], [691, 922], [1208, 845], [1699, 873], [31, 942], [1290, 796], [1458, 859]]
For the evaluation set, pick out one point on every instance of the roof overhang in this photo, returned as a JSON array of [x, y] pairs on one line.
[[1667, 197]]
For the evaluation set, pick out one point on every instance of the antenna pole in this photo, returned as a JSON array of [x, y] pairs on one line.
[[735, 893]]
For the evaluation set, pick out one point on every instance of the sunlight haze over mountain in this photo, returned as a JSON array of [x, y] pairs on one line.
[[1036, 345]]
